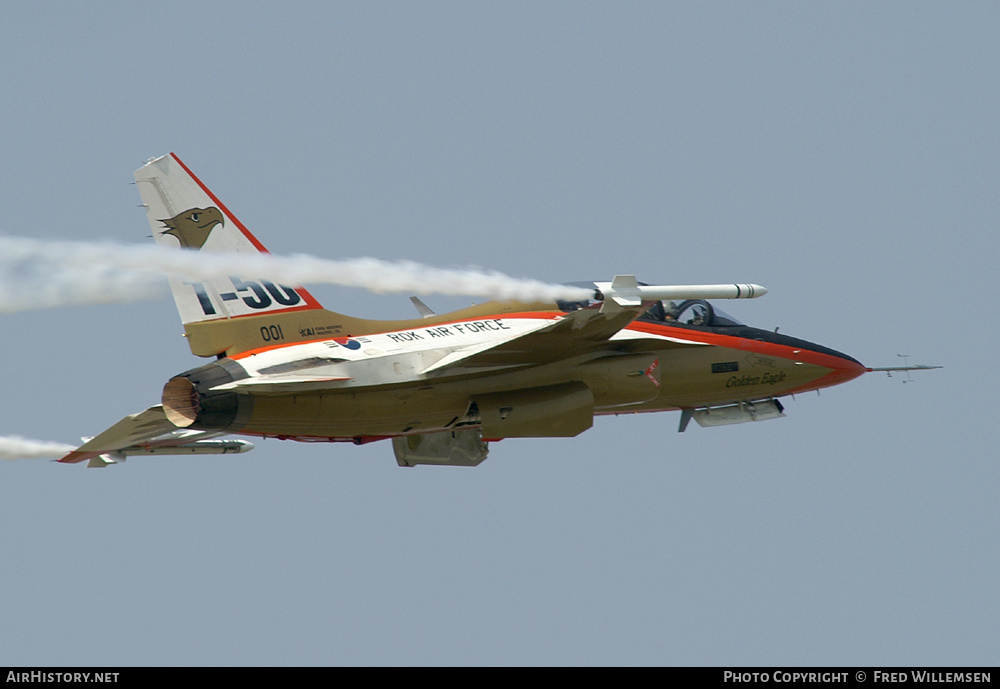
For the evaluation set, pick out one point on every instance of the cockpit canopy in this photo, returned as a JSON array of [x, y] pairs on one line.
[[696, 312], [689, 312]]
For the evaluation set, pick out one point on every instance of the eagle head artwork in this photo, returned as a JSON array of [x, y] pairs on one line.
[[192, 227]]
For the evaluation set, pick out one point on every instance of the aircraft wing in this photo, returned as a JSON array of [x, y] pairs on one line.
[[149, 432], [577, 332], [589, 328]]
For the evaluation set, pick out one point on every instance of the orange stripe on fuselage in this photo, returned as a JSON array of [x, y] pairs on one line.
[[841, 370]]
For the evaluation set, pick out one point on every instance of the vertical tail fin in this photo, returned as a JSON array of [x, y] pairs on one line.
[[184, 213]]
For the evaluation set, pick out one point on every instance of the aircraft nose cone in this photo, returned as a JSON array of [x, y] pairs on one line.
[[852, 366], [832, 367], [843, 368]]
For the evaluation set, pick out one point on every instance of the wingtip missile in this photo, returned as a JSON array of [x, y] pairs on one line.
[[97, 459], [222, 446], [625, 291]]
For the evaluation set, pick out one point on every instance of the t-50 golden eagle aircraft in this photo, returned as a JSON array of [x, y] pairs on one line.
[[441, 387]]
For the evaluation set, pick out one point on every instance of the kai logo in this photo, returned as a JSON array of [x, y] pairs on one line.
[[192, 227]]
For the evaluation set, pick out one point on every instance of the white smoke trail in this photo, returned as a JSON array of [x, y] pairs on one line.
[[16, 447], [38, 274]]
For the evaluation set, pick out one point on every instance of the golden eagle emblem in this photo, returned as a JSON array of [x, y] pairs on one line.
[[192, 227]]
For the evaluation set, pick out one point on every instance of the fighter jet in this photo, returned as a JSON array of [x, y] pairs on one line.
[[441, 387]]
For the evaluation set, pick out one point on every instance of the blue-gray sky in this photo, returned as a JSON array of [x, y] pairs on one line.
[[842, 154]]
